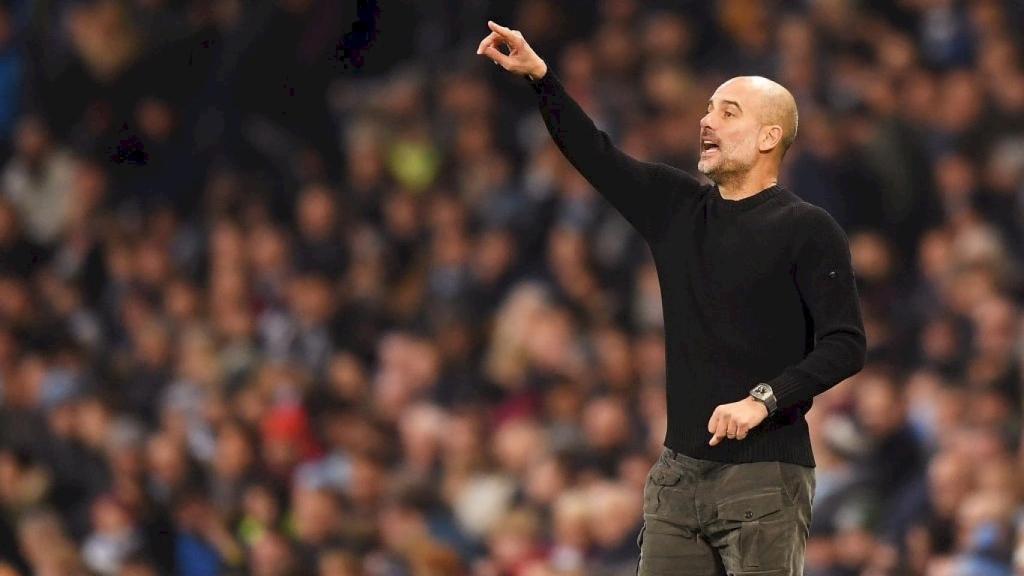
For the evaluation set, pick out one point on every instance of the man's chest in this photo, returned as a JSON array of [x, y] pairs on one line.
[[729, 261]]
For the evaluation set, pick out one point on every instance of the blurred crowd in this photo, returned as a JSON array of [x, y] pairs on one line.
[[303, 287]]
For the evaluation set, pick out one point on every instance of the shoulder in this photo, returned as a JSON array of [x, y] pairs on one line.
[[819, 225], [812, 230], [811, 221]]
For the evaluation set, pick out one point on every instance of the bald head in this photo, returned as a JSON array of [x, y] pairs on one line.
[[775, 105], [750, 124]]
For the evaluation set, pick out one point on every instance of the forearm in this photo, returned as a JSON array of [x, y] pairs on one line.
[[835, 358], [644, 192], [587, 148]]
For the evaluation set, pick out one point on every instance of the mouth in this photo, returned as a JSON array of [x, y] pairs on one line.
[[708, 147]]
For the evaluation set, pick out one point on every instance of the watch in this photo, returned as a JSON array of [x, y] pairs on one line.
[[763, 393]]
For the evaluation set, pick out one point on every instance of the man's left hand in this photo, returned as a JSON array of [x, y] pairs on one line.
[[736, 419]]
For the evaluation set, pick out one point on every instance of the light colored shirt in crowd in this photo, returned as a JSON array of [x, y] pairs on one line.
[[43, 200]]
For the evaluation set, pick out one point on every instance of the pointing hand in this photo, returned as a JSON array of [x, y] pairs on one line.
[[521, 59]]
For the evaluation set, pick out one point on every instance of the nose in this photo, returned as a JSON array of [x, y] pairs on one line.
[[705, 122]]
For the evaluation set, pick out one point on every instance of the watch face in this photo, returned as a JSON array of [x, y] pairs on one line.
[[761, 389]]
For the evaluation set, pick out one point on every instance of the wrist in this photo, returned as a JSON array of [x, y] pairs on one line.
[[763, 394], [756, 402], [538, 72]]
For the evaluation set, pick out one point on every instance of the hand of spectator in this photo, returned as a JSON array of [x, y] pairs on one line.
[[521, 59], [736, 419]]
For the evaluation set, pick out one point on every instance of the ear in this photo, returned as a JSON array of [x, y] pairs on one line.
[[769, 138]]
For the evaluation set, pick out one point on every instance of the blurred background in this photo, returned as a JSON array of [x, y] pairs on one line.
[[303, 287]]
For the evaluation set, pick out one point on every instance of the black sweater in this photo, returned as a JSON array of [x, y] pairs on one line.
[[753, 290]]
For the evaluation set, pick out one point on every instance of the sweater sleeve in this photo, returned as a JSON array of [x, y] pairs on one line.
[[825, 278], [645, 193]]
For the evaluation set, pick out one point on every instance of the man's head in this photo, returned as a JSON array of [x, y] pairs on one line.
[[750, 120]]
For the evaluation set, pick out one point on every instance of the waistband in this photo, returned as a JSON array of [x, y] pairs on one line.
[[689, 462]]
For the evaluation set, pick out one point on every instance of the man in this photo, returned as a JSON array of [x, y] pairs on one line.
[[761, 314]]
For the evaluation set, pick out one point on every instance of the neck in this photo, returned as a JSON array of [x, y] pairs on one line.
[[740, 186]]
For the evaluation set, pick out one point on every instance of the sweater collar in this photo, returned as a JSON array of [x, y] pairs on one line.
[[733, 206]]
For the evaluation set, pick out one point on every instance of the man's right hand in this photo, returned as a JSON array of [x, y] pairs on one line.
[[521, 59]]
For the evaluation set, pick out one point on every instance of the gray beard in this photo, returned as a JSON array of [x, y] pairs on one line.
[[719, 174], [725, 172]]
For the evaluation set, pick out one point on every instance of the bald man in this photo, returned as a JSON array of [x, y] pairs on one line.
[[761, 314]]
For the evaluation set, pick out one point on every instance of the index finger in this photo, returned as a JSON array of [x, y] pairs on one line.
[[716, 438], [505, 33], [720, 431]]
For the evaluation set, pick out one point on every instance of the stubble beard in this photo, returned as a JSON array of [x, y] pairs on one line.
[[725, 168], [722, 171], [708, 169]]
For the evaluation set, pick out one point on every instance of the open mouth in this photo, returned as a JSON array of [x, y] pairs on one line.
[[707, 146]]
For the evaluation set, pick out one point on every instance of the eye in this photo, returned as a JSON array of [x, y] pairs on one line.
[[729, 114]]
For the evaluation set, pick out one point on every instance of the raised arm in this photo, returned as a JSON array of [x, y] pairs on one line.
[[645, 193]]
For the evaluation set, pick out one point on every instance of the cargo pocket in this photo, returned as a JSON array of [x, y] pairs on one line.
[[661, 476], [759, 518]]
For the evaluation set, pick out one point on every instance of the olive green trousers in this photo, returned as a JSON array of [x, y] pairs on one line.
[[712, 518]]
